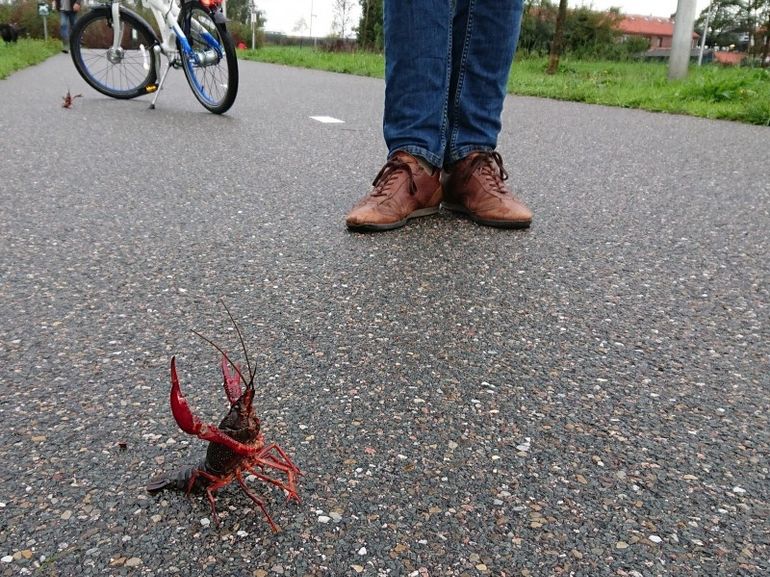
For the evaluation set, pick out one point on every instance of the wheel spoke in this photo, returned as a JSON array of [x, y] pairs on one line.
[[123, 72], [213, 73]]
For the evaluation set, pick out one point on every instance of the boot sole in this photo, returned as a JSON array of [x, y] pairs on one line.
[[366, 227], [486, 222]]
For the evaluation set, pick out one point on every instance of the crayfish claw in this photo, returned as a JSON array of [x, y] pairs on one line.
[[188, 422], [192, 425], [232, 382]]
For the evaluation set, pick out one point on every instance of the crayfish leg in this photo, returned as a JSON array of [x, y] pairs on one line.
[[274, 457], [256, 500], [212, 503], [287, 460], [290, 488], [194, 474], [215, 483]]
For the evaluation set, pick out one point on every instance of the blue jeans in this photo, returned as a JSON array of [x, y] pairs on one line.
[[66, 22], [446, 72]]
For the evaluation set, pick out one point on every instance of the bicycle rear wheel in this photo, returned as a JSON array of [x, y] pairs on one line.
[[125, 71], [211, 65]]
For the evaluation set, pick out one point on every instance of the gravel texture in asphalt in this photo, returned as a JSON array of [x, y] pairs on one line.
[[588, 397]]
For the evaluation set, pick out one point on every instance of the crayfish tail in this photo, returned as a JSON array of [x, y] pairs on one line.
[[177, 480], [159, 483]]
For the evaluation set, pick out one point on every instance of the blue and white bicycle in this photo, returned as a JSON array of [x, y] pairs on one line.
[[118, 53]]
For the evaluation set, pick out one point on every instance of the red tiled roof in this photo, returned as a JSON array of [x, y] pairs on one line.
[[647, 25], [733, 58]]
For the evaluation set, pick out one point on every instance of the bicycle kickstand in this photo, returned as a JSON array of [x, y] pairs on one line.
[[156, 55]]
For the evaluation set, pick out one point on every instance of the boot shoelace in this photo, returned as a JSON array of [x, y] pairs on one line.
[[385, 177], [490, 166]]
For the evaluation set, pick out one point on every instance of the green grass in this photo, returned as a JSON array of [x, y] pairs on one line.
[[25, 52], [358, 63], [740, 94]]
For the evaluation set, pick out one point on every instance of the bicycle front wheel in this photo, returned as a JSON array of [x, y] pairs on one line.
[[209, 60], [125, 69]]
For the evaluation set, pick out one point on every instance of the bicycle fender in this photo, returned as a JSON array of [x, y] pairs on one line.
[[216, 12]]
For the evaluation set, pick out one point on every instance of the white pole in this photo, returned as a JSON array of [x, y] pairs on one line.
[[679, 61], [705, 33], [311, 24], [311, 18]]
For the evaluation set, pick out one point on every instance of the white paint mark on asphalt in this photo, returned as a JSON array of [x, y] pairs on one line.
[[328, 119]]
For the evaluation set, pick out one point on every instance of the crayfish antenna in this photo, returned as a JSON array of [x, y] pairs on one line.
[[250, 383], [224, 354]]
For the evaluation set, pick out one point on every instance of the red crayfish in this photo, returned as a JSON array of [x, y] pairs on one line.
[[69, 99], [235, 447]]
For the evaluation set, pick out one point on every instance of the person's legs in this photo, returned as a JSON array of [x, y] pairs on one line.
[[417, 70], [66, 22], [485, 34], [64, 33]]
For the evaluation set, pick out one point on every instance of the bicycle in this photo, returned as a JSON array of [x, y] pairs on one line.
[[118, 53]]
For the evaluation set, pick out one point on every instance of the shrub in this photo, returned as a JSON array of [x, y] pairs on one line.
[[715, 85], [242, 33], [25, 16]]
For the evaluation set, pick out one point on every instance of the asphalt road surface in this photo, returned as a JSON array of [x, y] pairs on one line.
[[588, 397]]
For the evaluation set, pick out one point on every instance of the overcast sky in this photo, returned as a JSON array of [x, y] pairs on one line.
[[644, 7], [283, 15]]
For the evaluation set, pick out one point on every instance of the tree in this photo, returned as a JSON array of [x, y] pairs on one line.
[[370, 32], [240, 11], [300, 26], [723, 28], [764, 20], [558, 39], [589, 34], [755, 20], [586, 33], [537, 27], [740, 23], [342, 17]]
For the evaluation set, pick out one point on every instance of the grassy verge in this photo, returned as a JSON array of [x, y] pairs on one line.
[[358, 63], [741, 94], [25, 52]]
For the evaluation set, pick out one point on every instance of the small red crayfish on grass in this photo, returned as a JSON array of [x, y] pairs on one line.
[[235, 447]]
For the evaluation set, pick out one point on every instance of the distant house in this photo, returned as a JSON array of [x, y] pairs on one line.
[[658, 31]]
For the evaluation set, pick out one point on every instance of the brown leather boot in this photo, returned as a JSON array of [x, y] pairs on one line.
[[476, 187], [402, 190]]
